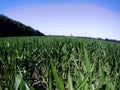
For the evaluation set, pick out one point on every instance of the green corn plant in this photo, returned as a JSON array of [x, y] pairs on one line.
[[62, 62], [58, 80], [70, 84]]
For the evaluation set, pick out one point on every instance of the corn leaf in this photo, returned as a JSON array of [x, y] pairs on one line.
[[58, 80], [87, 61], [70, 85], [18, 79]]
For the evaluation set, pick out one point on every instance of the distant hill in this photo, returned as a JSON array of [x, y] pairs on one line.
[[9, 27]]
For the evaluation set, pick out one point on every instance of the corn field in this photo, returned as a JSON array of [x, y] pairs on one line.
[[59, 63]]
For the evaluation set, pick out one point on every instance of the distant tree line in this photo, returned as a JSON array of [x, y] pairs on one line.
[[106, 39], [9, 27], [112, 40]]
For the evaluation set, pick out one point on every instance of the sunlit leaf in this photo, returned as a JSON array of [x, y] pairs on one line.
[[18, 79], [70, 85], [58, 80]]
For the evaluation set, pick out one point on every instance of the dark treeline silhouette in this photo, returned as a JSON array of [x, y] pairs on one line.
[[112, 40], [9, 27], [106, 39]]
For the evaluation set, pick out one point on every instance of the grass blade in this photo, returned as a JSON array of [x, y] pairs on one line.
[[22, 85], [17, 81], [58, 80], [27, 88], [83, 82], [70, 85], [110, 86], [0, 88], [87, 61]]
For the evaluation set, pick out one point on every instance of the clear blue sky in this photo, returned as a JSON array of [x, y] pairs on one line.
[[91, 18]]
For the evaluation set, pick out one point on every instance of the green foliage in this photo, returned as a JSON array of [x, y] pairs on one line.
[[58, 80], [63, 63], [70, 84]]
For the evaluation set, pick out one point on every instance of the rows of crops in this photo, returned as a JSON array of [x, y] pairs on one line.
[[58, 63]]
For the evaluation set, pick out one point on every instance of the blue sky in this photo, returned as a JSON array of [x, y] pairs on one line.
[[91, 18]]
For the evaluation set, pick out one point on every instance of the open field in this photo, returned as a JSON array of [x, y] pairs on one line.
[[59, 63]]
